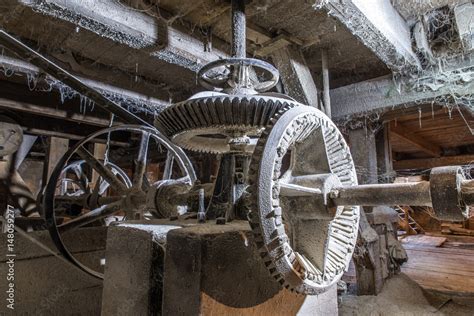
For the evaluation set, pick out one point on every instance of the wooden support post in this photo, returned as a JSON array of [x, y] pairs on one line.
[[295, 75], [99, 153], [325, 70], [57, 147], [364, 153], [384, 154], [24, 149], [368, 265]]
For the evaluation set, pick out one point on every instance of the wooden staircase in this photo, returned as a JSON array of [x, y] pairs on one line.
[[406, 222]]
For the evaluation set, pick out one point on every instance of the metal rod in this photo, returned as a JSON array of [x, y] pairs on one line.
[[90, 217], [140, 167], [167, 173], [98, 166], [414, 194], [238, 29], [326, 96], [67, 78]]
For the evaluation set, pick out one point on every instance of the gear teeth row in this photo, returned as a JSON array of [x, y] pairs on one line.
[[225, 112]]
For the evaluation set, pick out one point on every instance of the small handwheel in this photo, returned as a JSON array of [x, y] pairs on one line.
[[88, 189], [305, 243], [209, 78]]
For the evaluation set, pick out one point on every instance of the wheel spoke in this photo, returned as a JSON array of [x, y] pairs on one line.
[[183, 180], [63, 200], [168, 166], [290, 189], [98, 166], [146, 183], [304, 185], [90, 217], [70, 199], [140, 166], [81, 177]]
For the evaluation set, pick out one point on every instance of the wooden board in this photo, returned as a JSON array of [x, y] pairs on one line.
[[442, 269], [442, 130], [423, 240]]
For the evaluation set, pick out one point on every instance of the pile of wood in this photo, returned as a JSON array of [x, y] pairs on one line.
[[456, 229]]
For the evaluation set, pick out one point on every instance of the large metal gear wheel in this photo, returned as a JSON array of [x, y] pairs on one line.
[[305, 243], [208, 124]]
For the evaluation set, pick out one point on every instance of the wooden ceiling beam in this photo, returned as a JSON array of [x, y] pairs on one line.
[[403, 133], [433, 162], [382, 94], [379, 26], [135, 29], [21, 67], [63, 114], [296, 75]]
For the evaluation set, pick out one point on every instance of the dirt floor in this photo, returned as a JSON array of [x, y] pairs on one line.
[[402, 296]]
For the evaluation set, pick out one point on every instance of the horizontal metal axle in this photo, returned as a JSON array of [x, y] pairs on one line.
[[414, 194], [447, 192]]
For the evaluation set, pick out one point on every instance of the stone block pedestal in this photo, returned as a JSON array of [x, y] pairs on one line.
[[208, 269]]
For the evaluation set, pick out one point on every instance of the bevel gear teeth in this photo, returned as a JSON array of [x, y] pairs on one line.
[[192, 124]]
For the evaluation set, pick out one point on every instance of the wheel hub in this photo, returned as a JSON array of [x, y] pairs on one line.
[[134, 203]]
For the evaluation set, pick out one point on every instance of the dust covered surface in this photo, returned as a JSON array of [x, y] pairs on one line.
[[402, 296]]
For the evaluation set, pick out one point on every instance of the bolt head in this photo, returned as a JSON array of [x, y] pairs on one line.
[[334, 194]]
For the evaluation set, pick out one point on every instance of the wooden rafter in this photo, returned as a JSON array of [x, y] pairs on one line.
[[403, 133], [433, 162], [59, 113]]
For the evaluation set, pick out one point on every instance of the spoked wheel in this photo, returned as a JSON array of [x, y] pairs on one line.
[[108, 186], [305, 243]]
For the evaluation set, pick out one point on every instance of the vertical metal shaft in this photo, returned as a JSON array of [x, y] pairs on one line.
[[238, 29]]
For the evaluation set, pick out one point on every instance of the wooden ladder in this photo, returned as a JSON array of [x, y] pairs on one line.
[[406, 222]]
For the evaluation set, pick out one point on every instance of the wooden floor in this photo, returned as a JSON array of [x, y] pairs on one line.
[[445, 267]]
